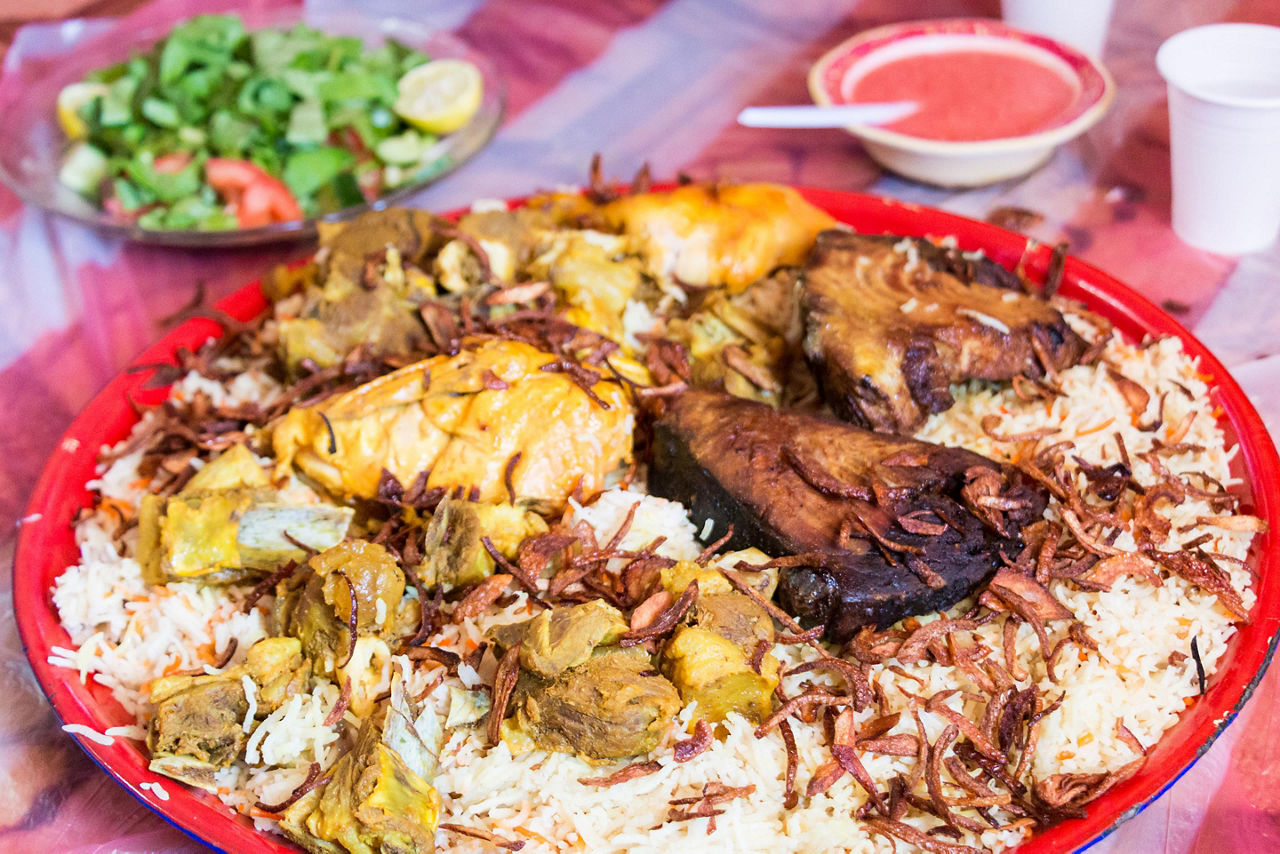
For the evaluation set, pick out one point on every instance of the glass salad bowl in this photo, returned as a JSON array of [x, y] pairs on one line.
[[33, 146]]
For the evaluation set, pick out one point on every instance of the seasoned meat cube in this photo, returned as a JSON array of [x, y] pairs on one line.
[[556, 640], [362, 295], [561, 638], [744, 343], [373, 574], [198, 725], [676, 578], [505, 636], [716, 673], [201, 720], [734, 617], [374, 802], [611, 706], [226, 521], [709, 660], [454, 553], [301, 612], [278, 669], [315, 606], [888, 330]]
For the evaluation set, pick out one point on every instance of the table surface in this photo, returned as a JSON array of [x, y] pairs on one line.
[[639, 81]]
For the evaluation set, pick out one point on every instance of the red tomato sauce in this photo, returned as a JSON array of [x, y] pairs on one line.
[[970, 94]]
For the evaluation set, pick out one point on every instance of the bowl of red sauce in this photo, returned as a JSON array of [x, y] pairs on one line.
[[993, 102]]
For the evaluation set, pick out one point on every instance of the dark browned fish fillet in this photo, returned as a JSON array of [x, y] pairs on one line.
[[917, 534], [891, 323]]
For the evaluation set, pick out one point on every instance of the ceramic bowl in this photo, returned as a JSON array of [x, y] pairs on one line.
[[963, 163]]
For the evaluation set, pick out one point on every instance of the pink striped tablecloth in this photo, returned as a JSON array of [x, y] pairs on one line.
[[639, 81]]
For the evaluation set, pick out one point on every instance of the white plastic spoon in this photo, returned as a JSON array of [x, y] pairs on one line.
[[817, 116]]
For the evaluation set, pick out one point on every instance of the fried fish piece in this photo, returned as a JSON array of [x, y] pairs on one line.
[[890, 325], [888, 526]]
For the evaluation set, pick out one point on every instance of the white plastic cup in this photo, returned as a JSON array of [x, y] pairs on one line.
[[1083, 24], [1224, 135]]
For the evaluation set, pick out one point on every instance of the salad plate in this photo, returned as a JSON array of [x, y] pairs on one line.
[[46, 544], [34, 147]]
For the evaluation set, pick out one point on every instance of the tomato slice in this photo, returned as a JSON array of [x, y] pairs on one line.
[[251, 194], [116, 209], [172, 163]]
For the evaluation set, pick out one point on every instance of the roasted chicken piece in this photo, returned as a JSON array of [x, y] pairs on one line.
[[890, 526], [592, 274], [889, 327], [718, 234], [463, 420]]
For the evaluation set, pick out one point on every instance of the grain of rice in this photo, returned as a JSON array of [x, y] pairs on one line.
[[156, 789], [251, 696], [89, 733]]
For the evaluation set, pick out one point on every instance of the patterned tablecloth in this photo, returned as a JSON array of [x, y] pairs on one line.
[[639, 81]]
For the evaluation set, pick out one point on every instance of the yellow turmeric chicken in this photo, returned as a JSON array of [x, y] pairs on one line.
[[478, 420], [712, 234]]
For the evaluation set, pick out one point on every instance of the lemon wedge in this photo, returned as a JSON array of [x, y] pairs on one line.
[[440, 96], [70, 100]]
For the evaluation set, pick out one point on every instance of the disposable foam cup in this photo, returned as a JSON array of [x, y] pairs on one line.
[[1083, 24], [1224, 135]]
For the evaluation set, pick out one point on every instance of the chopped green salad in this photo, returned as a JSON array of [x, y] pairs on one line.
[[217, 127]]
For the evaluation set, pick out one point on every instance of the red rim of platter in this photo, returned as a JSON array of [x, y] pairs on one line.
[[46, 543], [1093, 85]]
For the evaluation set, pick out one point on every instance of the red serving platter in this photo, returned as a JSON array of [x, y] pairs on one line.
[[46, 545]]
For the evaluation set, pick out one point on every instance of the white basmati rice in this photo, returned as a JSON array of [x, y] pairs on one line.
[[127, 633]]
